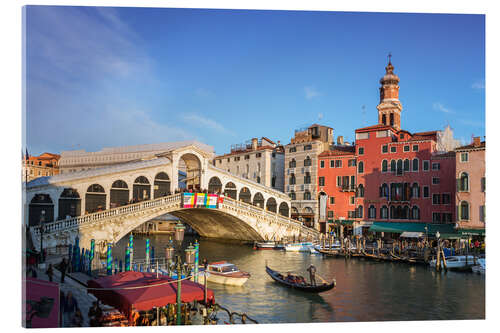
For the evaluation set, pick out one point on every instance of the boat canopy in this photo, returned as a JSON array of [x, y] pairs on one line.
[[411, 234], [401, 227]]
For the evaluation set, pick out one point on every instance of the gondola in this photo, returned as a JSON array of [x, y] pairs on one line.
[[278, 277]]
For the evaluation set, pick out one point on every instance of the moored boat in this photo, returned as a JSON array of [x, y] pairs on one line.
[[456, 262], [299, 282], [269, 245], [480, 268], [299, 247], [223, 272]]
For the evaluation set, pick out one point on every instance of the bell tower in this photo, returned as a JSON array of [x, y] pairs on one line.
[[389, 108]]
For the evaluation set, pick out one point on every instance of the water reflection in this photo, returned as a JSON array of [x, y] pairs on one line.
[[366, 290]]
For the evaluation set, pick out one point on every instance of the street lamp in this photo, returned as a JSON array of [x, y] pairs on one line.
[[179, 232], [426, 236], [169, 255]]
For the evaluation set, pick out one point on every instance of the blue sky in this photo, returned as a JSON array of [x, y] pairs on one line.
[[100, 77]]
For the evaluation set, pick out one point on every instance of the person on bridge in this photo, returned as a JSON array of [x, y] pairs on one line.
[[312, 274], [63, 266]]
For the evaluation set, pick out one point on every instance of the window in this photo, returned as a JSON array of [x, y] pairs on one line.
[[415, 164], [393, 166], [292, 196], [436, 166], [425, 165], [332, 163], [360, 167], [384, 149], [426, 191], [330, 213], [352, 163], [435, 180], [258, 179], [360, 212], [307, 147], [361, 191], [351, 201], [322, 164], [384, 191], [384, 166], [482, 213], [228, 159], [292, 163], [401, 136], [260, 155], [406, 165], [307, 161], [464, 157], [415, 213], [446, 199], [384, 212], [393, 149], [463, 182], [436, 217], [237, 158], [436, 199], [464, 211], [415, 191], [307, 178], [339, 181], [321, 181], [361, 151], [292, 149], [307, 195], [338, 163], [247, 157], [415, 148], [406, 148], [372, 212], [292, 179], [332, 200], [483, 184]]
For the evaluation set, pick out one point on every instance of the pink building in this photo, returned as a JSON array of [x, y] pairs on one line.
[[471, 184]]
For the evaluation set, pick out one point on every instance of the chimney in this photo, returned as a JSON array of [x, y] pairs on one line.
[[476, 141], [254, 143], [340, 140]]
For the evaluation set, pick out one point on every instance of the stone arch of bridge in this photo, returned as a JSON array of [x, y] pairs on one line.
[[191, 164]]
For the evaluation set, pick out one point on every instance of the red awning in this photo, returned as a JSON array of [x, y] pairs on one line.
[[143, 299], [42, 301]]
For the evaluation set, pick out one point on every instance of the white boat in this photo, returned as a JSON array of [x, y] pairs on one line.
[[299, 247], [480, 268], [223, 272], [456, 262], [269, 245]]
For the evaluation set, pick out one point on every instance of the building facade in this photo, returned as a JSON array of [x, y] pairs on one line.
[[260, 160], [45, 165], [471, 185], [301, 171], [398, 176]]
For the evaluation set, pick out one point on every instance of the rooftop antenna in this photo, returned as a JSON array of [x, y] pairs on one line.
[[389, 56]]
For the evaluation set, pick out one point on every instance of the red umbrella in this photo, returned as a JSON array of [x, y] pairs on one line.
[[144, 291]]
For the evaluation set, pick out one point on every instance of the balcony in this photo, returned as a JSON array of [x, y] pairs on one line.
[[348, 188]]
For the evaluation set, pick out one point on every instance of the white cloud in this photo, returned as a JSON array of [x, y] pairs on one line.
[[478, 85], [311, 92], [202, 122], [440, 107]]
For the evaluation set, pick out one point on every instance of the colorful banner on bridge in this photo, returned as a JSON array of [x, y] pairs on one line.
[[203, 200]]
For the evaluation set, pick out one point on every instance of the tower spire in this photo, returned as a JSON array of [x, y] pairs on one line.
[[389, 108]]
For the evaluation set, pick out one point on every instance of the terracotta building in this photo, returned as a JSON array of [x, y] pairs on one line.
[[399, 176], [45, 165], [471, 185]]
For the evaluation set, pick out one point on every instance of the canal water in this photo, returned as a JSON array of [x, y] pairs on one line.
[[366, 290]]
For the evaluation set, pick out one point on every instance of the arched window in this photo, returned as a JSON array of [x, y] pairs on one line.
[[406, 212], [360, 212], [361, 191], [415, 164], [384, 166], [464, 182], [292, 163], [406, 165], [415, 213], [307, 161], [415, 191], [399, 167], [393, 166], [393, 212], [384, 191], [307, 195], [292, 179], [384, 119], [372, 212], [464, 211], [384, 213], [361, 167], [307, 178], [391, 117]]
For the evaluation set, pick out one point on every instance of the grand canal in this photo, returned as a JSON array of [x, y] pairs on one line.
[[366, 291]]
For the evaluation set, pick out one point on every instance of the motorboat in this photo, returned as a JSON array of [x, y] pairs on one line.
[[269, 245], [299, 247], [480, 268], [456, 262], [223, 272]]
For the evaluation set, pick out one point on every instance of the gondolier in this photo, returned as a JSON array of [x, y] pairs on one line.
[[312, 274]]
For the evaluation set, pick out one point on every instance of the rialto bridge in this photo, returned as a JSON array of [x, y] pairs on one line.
[[106, 204]]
